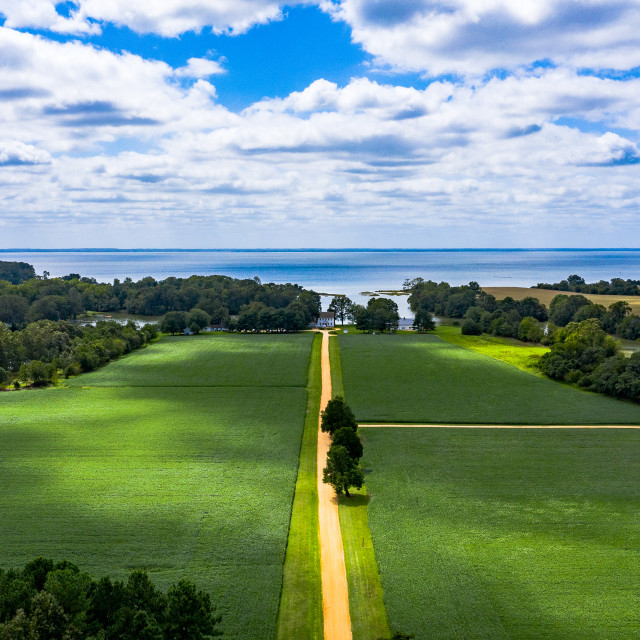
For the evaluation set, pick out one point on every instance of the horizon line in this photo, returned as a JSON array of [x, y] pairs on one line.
[[305, 249]]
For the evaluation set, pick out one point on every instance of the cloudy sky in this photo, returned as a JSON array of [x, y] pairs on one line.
[[334, 123]]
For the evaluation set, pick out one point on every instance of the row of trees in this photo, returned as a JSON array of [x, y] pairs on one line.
[[616, 319], [47, 601], [38, 352], [617, 286], [583, 353], [43, 298], [343, 459]]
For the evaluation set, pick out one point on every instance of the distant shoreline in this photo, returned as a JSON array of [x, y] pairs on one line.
[[316, 250]]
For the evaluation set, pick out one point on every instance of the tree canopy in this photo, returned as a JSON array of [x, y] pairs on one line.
[[337, 415]]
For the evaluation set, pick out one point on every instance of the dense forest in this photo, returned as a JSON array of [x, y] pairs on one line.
[[47, 601], [617, 286]]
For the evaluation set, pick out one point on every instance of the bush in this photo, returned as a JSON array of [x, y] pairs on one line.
[[471, 328]]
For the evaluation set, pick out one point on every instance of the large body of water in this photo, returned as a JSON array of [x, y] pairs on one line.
[[348, 272]]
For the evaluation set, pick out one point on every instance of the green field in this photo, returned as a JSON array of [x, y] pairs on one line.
[[193, 481], [235, 360], [520, 534], [421, 378]]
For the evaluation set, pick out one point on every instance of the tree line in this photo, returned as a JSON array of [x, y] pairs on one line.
[[56, 601], [36, 354], [583, 353], [66, 298], [617, 286]]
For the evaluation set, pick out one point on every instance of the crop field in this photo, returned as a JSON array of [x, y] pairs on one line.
[[234, 360], [485, 534], [180, 481], [421, 378]]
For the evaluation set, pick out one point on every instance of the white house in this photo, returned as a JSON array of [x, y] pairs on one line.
[[406, 324], [326, 320]]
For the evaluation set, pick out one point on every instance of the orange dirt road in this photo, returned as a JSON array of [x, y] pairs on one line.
[[335, 592], [498, 426]]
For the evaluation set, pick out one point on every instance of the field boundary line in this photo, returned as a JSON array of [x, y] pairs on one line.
[[300, 609], [366, 603], [496, 426], [335, 590]]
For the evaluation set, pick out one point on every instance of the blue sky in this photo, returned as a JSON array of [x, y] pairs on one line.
[[334, 123]]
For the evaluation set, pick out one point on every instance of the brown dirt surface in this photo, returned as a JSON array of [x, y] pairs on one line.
[[547, 295], [335, 592], [497, 426]]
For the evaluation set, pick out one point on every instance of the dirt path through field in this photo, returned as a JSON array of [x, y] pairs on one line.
[[498, 426], [335, 592]]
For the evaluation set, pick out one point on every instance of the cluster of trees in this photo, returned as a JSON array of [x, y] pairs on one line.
[[44, 298], [583, 353], [16, 272], [616, 319], [380, 314], [507, 318], [343, 460], [47, 601], [38, 352], [617, 286]]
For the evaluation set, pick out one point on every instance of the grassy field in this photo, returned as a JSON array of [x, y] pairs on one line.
[[234, 360], [300, 614], [366, 606], [519, 534], [547, 295], [193, 481], [424, 379], [520, 354]]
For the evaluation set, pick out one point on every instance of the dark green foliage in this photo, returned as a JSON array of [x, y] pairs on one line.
[[197, 320], [173, 322], [400, 636], [38, 351], [529, 330], [617, 286], [471, 328], [346, 437], [16, 272], [342, 471], [13, 311], [380, 314], [424, 321], [343, 307], [337, 415], [58, 602], [563, 308]]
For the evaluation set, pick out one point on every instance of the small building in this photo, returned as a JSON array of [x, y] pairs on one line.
[[406, 324], [215, 327], [187, 332], [326, 320]]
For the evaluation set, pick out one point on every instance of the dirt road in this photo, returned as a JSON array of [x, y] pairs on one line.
[[335, 592], [498, 426]]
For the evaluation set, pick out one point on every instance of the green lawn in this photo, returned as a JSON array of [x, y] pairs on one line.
[[421, 378], [519, 534], [194, 481], [235, 360], [520, 354]]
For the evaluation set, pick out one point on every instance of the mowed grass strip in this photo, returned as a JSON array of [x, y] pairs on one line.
[[422, 379], [180, 482], [366, 606], [300, 613], [520, 354], [231, 360], [519, 534]]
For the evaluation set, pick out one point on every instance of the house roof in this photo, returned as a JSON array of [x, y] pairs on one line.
[[327, 314]]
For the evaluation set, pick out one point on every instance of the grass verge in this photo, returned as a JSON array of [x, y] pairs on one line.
[[366, 606], [521, 355], [300, 613]]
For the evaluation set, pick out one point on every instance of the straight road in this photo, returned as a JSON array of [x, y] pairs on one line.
[[335, 592]]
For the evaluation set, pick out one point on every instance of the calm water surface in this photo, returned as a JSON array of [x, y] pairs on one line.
[[348, 272]]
